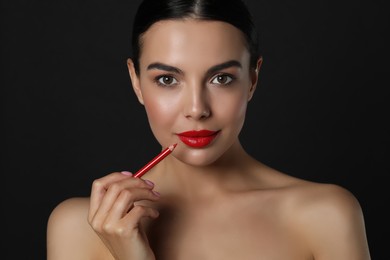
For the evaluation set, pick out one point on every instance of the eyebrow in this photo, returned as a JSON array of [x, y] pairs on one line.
[[162, 66], [225, 65], [213, 69]]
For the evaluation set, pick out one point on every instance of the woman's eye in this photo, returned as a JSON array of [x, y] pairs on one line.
[[166, 80], [222, 79]]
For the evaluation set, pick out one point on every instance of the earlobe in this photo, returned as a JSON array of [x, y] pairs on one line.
[[134, 80], [254, 78]]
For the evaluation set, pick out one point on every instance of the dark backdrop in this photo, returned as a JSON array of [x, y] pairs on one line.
[[69, 114]]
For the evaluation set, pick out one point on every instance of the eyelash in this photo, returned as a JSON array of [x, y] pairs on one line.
[[161, 77], [231, 78], [158, 80]]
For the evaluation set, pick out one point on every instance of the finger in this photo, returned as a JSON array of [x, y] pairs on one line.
[[99, 189], [133, 218], [135, 185], [125, 203]]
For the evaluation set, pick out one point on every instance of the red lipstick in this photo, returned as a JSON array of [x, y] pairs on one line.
[[198, 139]]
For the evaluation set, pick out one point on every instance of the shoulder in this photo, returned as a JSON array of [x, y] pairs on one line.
[[72, 212], [312, 197], [69, 235], [329, 219], [78, 204]]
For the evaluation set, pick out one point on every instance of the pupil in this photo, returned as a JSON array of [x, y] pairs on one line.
[[167, 80]]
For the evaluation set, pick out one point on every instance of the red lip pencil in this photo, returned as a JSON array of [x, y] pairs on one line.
[[164, 153]]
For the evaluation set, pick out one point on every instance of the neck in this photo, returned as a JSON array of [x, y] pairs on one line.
[[230, 172]]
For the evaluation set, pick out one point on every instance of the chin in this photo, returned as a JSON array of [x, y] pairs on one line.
[[199, 157]]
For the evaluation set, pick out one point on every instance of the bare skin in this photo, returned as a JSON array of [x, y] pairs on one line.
[[215, 202]]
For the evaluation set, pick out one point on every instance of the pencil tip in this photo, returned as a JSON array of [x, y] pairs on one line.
[[171, 147]]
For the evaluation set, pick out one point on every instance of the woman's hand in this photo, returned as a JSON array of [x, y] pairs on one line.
[[116, 217]]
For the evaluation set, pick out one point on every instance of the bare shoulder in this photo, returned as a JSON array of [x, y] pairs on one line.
[[326, 219], [329, 219], [313, 198], [73, 208], [69, 235]]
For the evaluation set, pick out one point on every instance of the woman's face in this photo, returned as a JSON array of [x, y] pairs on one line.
[[194, 75]]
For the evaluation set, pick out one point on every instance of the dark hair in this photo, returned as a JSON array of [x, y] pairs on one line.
[[234, 12]]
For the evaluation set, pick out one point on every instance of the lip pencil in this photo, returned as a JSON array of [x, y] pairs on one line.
[[164, 153]]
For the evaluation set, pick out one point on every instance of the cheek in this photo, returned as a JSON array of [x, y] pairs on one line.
[[161, 111], [231, 109]]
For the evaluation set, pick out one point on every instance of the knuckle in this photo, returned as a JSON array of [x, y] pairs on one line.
[[120, 231], [116, 187], [114, 230], [139, 183], [98, 183], [139, 210], [127, 195], [95, 225], [107, 228]]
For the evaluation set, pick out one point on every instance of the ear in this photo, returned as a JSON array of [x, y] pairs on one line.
[[255, 78], [134, 80]]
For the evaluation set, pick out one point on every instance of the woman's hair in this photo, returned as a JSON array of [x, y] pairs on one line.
[[234, 12]]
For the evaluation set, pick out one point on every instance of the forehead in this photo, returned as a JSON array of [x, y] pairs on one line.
[[193, 40]]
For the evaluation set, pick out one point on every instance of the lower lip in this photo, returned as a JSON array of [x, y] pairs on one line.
[[199, 141]]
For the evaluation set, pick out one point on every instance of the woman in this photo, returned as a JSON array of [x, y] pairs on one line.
[[194, 68]]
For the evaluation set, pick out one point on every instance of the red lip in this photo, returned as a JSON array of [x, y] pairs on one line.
[[198, 139]]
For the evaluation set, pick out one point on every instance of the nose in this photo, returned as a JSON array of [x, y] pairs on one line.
[[197, 104]]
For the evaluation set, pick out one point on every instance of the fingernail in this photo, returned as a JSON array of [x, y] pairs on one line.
[[126, 173], [156, 193], [151, 184]]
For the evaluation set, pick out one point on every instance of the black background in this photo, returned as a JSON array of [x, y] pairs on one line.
[[69, 114]]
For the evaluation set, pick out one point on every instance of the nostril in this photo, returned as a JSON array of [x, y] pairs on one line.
[[197, 105], [205, 114]]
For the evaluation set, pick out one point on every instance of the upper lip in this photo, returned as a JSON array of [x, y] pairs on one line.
[[198, 133]]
